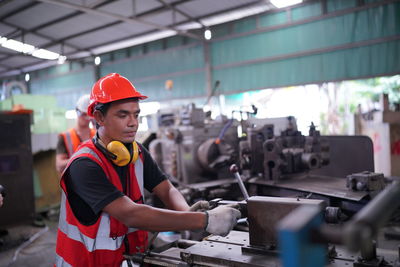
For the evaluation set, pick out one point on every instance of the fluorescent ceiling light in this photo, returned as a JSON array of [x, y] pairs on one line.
[[28, 49], [285, 3], [134, 41], [17, 46], [45, 54]]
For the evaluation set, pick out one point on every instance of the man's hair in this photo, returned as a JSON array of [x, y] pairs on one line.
[[103, 107]]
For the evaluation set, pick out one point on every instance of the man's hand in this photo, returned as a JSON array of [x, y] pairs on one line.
[[201, 205], [1, 200], [221, 220]]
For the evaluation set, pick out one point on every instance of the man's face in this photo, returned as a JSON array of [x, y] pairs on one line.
[[83, 118], [121, 121]]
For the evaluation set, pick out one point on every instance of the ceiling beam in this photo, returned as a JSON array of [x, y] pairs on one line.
[[17, 10], [118, 17], [174, 8]]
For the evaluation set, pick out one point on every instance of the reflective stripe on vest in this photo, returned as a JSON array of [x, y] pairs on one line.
[[60, 262], [102, 240]]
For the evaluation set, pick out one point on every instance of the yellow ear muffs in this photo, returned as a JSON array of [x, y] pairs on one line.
[[123, 157]]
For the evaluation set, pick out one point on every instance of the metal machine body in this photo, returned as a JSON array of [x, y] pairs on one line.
[[16, 165], [187, 147], [304, 239], [289, 153]]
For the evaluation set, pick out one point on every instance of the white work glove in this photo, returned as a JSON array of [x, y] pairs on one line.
[[201, 205], [221, 220]]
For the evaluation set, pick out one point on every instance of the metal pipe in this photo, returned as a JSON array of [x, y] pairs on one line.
[[378, 210], [361, 230]]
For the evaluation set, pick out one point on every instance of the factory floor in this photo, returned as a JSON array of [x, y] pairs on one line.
[[30, 244]]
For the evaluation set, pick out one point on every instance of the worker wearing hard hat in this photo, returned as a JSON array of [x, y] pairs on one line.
[[69, 141], [103, 214]]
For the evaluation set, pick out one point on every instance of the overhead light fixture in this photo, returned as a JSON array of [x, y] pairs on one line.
[[28, 49], [61, 60], [207, 34], [97, 60], [285, 3], [45, 54], [27, 77]]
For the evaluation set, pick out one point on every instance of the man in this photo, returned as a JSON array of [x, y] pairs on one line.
[[69, 141], [102, 213]]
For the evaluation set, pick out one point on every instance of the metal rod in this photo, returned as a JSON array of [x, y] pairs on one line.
[[234, 169]]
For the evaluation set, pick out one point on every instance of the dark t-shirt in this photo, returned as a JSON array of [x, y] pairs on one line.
[[89, 190]]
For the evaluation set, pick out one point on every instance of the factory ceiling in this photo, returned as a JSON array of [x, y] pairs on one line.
[[73, 29]]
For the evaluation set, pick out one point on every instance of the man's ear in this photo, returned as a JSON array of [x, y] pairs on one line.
[[99, 117]]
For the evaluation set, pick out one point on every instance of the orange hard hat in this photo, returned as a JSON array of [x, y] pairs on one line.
[[112, 87]]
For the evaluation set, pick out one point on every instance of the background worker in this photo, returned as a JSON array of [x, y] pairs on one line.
[[69, 141], [103, 214]]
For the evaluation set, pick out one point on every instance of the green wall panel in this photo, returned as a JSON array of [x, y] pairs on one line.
[[67, 88], [335, 5], [185, 86], [353, 27], [308, 11], [245, 25], [273, 19], [160, 63], [353, 63]]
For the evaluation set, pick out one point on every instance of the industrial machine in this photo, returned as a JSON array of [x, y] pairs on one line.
[[306, 200], [291, 232], [274, 159]]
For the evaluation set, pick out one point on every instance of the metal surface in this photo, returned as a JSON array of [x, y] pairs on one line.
[[365, 181], [264, 213], [324, 185], [348, 154], [219, 252]]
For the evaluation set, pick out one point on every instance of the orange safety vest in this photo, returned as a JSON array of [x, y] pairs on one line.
[[72, 140], [100, 244]]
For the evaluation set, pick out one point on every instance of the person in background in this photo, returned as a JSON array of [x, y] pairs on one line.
[[69, 141], [1, 200], [102, 212]]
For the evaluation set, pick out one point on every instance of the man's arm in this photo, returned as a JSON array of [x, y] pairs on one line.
[[170, 196], [153, 219], [61, 155], [61, 162]]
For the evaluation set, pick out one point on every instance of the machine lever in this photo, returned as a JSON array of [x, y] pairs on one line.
[[235, 170]]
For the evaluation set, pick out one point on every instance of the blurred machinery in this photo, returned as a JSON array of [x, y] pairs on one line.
[[187, 147], [274, 159], [16, 168], [291, 232], [306, 200]]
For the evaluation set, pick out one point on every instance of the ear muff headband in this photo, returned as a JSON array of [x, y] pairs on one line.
[[135, 151]]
